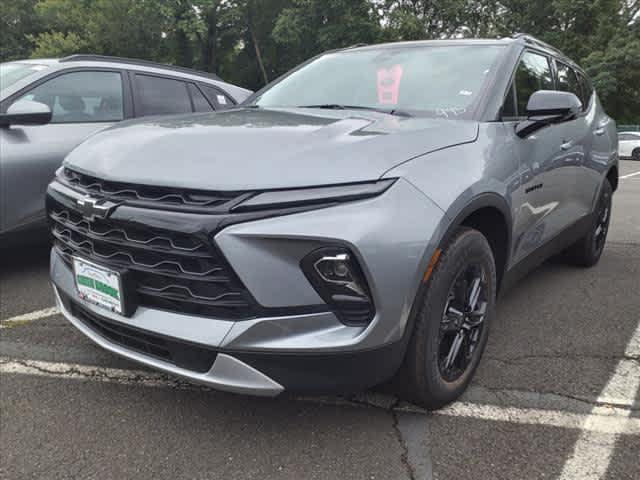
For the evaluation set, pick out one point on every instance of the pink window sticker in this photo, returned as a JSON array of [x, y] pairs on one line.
[[389, 84]]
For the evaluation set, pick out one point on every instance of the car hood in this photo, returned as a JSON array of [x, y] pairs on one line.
[[246, 149]]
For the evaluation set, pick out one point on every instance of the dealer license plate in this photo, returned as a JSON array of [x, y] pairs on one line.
[[98, 285]]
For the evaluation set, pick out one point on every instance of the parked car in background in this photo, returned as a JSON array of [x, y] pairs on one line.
[[629, 145], [47, 107], [354, 220]]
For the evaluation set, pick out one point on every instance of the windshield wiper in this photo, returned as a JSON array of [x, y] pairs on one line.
[[337, 106]]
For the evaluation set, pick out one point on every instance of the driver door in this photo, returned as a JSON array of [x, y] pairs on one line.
[[541, 204]]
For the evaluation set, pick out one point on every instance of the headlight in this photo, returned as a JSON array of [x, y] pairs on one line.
[[315, 195]]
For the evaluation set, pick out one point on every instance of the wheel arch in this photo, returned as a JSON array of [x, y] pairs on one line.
[[490, 214], [612, 176]]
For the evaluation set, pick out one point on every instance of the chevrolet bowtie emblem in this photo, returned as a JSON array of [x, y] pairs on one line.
[[92, 208]]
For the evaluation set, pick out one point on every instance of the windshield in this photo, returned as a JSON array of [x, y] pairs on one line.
[[10, 73], [442, 81]]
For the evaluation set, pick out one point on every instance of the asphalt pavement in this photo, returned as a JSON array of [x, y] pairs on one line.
[[556, 395]]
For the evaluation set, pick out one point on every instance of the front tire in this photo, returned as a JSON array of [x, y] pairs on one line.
[[452, 322], [635, 155]]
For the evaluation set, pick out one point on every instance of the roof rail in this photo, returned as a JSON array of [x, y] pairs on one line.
[[534, 41], [81, 57]]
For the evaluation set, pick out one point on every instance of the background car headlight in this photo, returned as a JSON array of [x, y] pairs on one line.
[[337, 277]]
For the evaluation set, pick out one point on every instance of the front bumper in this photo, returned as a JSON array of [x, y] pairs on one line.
[[226, 373], [393, 237]]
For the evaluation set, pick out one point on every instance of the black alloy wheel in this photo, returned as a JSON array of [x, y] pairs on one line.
[[453, 312], [462, 322], [603, 214]]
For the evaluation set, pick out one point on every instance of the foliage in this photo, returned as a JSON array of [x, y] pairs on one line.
[[108, 27], [251, 42], [309, 27], [17, 22]]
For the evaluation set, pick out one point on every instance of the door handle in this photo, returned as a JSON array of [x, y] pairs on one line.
[[566, 145], [599, 131]]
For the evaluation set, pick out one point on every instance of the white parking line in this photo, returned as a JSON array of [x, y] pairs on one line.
[[629, 175], [592, 454], [610, 421], [29, 317]]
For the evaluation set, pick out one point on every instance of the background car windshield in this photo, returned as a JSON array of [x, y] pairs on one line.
[[10, 73], [444, 80]]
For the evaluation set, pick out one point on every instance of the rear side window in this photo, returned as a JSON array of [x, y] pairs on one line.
[[200, 103], [587, 90], [81, 97], [568, 80], [533, 74], [217, 96], [161, 96]]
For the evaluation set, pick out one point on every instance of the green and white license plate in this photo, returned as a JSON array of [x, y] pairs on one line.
[[98, 285]]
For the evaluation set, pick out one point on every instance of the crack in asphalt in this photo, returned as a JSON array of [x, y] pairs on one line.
[[404, 456], [500, 392], [393, 410], [561, 356], [101, 373]]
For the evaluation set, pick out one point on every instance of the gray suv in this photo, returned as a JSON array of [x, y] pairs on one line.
[[47, 107], [352, 222]]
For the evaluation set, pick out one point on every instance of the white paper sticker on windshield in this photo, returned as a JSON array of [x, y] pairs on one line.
[[222, 100]]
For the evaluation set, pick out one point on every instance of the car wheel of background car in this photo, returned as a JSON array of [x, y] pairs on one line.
[[452, 322], [587, 251], [635, 155]]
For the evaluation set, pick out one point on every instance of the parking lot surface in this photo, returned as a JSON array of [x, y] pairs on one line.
[[556, 395]]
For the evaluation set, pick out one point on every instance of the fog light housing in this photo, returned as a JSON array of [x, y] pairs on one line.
[[337, 277]]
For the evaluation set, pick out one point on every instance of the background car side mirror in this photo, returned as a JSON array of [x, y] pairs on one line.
[[26, 112], [546, 107]]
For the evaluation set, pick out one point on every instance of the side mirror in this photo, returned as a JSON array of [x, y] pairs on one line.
[[546, 107], [26, 112]]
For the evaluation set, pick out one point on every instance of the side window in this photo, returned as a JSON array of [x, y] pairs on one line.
[[568, 80], [79, 97], [217, 96], [533, 74], [587, 90], [200, 103], [161, 96]]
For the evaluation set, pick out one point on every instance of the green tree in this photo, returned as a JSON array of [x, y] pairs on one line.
[[309, 27], [135, 28], [18, 23], [615, 71], [434, 19], [603, 36]]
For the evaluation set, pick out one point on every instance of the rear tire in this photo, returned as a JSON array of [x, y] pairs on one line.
[[587, 251], [635, 155], [434, 373]]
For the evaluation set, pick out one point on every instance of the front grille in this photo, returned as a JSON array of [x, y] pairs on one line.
[[166, 269], [181, 354], [176, 198]]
